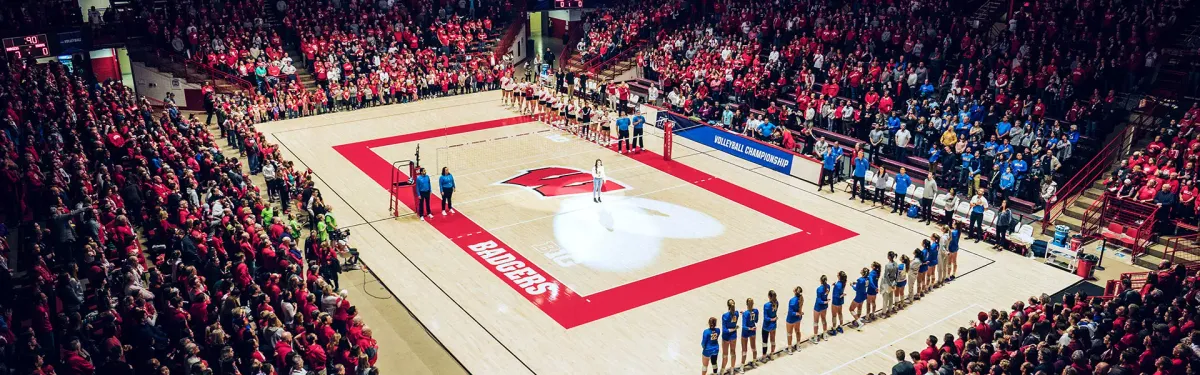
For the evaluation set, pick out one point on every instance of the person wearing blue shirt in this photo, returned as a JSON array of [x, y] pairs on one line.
[[1004, 150], [424, 188], [965, 169], [710, 343], [749, 331], [638, 122], [1020, 168], [829, 167], [770, 313], [765, 130], [926, 89], [729, 334], [861, 164], [446, 184], [952, 256], [1003, 127], [623, 134], [819, 308], [893, 124], [872, 290], [932, 256], [839, 299], [1007, 180], [794, 315], [860, 296], [902, 184]]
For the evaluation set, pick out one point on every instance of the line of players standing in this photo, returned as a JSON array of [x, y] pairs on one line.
[[901, 282], [562, 109]]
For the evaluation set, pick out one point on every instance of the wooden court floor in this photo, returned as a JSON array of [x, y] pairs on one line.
[[622, 286]]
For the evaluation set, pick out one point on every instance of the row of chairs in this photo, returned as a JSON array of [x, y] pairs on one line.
[[1022, 235]]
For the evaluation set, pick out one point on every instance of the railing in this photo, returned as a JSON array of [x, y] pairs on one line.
[[1145, 232], [1090, 225], [1185, 250], [191, 69], [599, 63], [1113, 288], [509, 37], [1066, 196], [570, 48]]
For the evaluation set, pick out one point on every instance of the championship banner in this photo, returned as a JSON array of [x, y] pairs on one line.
[[731, 143]]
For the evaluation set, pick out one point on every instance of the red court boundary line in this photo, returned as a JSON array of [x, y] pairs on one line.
[[567, 307]]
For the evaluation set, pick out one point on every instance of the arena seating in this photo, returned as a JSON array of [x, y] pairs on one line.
[[1144, 326], [1164, 173], [141, 248]]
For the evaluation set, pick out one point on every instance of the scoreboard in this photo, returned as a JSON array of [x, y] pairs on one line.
[[541, 5], [25, 47]]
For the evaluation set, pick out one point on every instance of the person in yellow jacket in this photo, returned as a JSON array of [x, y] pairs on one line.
[[949, 137]]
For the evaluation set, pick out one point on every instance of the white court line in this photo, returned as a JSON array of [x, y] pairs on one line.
[[916, 332], [618, 197]]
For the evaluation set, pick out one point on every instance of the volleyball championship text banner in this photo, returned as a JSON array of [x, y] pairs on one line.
[[743, 147], [556, 299]]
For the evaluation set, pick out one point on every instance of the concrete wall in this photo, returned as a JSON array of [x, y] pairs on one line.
[[155, 84]]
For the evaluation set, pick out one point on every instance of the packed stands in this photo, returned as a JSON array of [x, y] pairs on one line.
[[1146, 330], [142, 248], [1001, 109]]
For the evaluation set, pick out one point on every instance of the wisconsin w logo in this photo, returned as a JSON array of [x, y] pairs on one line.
[[559, 181]]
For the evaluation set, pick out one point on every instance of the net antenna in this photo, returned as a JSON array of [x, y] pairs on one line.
[[401, 182]]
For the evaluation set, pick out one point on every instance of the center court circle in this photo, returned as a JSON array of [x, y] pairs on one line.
[[626, 234]]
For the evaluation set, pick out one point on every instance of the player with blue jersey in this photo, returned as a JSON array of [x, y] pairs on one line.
[[931, 255], [710, 343], [839, 299], [819, 308], [952, 253], [872, 289], [770, 313], [749, 331], [729, 325], [860, 295], [794, 316]]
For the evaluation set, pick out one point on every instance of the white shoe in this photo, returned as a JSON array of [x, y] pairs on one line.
[[443, 212], [422, 218], [430, 216], [452, 211]]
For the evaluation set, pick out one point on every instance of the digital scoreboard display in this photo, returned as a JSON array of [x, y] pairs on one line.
[[25, 47], [540, 5]]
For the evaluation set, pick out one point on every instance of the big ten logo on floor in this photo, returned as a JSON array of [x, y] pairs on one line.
[[555, 137], [551, 250]]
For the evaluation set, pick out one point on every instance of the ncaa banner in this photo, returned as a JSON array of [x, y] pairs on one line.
[[731, 143]]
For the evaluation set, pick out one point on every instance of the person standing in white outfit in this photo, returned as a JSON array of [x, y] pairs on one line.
[[598, 178]]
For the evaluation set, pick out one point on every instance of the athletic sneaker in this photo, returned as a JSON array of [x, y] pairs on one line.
[[422, 218], [839, 330], [443, 212], [430, 216], [452, 211]]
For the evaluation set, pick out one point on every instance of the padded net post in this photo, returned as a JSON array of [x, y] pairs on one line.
[[668, 134]]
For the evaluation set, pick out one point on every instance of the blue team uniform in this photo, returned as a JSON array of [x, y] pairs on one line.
[[750, 323], [953, 246], [932, 256], [729, 325], [903, 268], [793, 314], [770, 311], [710, 342], [822, 298], [873, 283], [924, 261], [839, 293], [860, 290]]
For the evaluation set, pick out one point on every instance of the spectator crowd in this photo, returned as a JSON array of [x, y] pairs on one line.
[[141, 248]]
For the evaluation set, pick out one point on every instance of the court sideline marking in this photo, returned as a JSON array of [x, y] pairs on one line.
[[418, 268], [376, 117], [902, 338]]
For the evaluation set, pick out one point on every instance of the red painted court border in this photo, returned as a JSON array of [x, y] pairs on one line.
[[570, 309]]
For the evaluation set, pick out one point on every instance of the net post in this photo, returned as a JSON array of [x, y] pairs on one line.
[[668, 134], [412, 175]]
